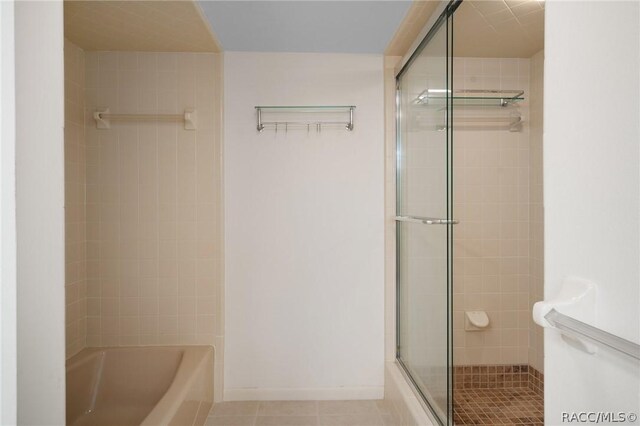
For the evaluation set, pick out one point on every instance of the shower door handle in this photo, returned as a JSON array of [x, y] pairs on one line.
[[426, 220]]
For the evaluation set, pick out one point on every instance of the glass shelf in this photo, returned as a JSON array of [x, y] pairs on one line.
[[331, 115], [307, 107], [473, 97]]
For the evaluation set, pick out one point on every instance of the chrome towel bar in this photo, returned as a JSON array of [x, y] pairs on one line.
[[426, 220]]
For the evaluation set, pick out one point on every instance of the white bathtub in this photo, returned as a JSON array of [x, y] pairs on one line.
[[167, 385]]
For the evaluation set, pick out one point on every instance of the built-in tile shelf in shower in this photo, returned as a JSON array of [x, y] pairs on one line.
[[472, 97]]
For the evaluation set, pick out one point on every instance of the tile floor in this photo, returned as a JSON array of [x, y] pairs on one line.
[[514, 406], [302, 413]]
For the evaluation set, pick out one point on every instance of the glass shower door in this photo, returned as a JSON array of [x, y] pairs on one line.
[[424, 222]]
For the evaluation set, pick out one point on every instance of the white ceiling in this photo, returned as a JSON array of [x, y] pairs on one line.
[[305, 26]]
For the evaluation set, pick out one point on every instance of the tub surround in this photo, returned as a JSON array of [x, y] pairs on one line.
[[153, 202], [143, 263], [143, 202]]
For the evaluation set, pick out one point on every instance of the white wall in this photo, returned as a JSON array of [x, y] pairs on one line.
[[591, 194], [303, 231], [8, 403], [40, 211]]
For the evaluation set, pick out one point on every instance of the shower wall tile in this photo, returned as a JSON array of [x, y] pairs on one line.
[[492, 242], [75, 158], [153, 201]]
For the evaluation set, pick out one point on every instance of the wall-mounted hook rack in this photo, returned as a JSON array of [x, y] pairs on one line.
[[330, 112]]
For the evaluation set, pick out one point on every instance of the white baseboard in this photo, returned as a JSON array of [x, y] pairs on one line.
[[302, 394]]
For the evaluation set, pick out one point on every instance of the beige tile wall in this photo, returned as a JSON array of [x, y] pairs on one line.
[[536, 210], [154, 217], [75, 216], [491, 243]]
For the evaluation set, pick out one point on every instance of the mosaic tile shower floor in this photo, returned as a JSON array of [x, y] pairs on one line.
[[501, 406]]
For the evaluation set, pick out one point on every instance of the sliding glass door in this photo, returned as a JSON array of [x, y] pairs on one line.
[[424, 219]]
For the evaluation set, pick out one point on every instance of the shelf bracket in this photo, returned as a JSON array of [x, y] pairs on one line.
[[350, 125], [190, 119], [260, 126]]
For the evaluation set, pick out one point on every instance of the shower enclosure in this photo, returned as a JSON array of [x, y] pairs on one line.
[[466, 371], [424, 221], [496, 372]]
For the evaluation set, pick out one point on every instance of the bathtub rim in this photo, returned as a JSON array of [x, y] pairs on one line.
[[194, 358]]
